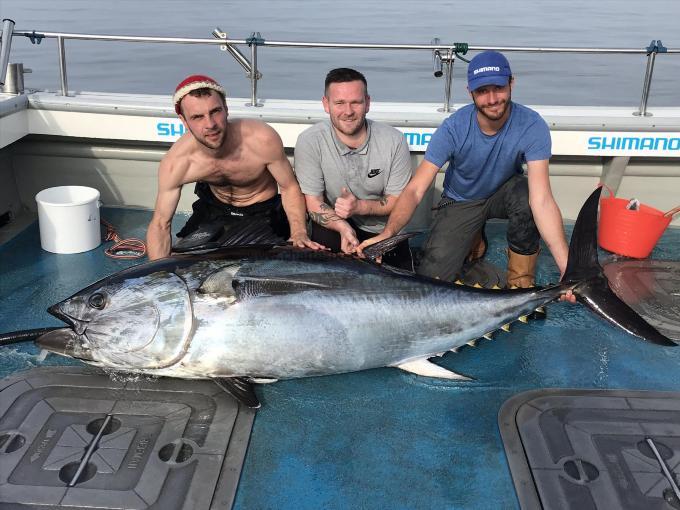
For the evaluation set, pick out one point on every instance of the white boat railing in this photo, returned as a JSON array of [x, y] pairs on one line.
[[443, 55]]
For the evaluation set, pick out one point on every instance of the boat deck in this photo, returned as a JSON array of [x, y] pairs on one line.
[[379, 438]]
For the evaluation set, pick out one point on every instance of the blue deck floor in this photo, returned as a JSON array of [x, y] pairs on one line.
[[380, 438]]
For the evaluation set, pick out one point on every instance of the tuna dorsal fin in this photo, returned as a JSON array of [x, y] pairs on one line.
[[424, 367], [240, 389], [381, 247]]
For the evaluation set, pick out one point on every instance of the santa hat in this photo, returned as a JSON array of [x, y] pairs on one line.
[[195, 82]]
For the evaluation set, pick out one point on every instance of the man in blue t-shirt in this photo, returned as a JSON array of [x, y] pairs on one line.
[[486, 143]]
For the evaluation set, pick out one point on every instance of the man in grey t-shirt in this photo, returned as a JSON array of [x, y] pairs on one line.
[[351, 170]]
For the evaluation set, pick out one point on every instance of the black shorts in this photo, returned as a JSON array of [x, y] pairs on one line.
[[209, 210]]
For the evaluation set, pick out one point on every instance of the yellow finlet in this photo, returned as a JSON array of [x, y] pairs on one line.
[[506, 328]]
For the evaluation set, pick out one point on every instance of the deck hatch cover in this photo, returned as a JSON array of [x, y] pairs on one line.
[[589, 449], [73, 437]]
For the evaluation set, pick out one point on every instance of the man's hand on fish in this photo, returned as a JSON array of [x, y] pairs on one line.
[[568, 296], [348, 240], [302, 240], [368, 242]]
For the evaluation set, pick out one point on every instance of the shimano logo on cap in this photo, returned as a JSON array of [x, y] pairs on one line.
[[488, 68]]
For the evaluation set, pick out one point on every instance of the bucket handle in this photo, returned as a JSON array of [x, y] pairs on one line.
[[672, 212], [605, 187]]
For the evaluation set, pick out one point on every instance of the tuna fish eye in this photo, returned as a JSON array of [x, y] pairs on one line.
[[97, 300]]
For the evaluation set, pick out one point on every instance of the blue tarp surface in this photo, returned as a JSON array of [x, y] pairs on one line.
[[380, 438]]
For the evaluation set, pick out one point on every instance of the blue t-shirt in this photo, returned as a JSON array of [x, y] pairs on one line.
[[479, 164]]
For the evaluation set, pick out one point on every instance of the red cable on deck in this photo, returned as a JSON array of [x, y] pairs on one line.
[[131, 248]]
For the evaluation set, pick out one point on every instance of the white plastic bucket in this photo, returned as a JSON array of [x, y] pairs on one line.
[[69, 219]]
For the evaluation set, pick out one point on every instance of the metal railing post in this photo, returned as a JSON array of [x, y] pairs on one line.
[[450, 59], [62, 66], [651, 57], [254, 40], [7, 33], [653, 48]]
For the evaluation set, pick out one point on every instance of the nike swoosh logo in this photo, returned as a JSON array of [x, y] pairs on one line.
[[373, 172]]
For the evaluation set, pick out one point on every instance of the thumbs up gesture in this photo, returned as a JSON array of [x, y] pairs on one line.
[[346, 204]]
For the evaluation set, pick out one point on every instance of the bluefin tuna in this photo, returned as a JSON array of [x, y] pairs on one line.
[[243, 314]]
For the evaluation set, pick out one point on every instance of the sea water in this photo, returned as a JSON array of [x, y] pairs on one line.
[[393, 76]]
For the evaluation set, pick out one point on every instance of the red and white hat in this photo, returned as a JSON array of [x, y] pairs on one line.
[[195, 82]]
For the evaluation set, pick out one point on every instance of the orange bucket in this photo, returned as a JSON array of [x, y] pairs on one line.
[[632, 233]]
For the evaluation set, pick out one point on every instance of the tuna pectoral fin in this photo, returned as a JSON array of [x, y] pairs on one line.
[[597, 296], [240, 389], [424, 367]]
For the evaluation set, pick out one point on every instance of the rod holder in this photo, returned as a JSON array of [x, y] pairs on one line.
[[442, 65], [14, 82], [250, 66], [436, 59], [7, 32], [62, 66], [242, 60]]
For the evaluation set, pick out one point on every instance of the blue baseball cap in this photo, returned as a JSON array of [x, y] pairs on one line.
[[488, 68]]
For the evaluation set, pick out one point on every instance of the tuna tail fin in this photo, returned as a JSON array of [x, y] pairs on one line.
[[590, 284]]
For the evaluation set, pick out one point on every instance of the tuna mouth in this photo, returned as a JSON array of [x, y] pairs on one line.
[[65, 342], [78, 326]]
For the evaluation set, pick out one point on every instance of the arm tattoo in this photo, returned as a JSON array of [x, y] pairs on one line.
[[326, 215]]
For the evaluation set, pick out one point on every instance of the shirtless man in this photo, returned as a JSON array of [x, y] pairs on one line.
[[236, 165]]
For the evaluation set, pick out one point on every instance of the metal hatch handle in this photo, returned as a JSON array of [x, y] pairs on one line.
[[664, 467]]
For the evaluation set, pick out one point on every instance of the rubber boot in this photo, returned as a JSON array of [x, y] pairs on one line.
[[478, 247], [521, 270]]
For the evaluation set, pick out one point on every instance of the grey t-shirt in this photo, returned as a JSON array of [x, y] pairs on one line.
[[382, 166]]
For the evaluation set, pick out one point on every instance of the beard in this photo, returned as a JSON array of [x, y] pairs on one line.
[[501, 109], [210, 144], [349, 129]]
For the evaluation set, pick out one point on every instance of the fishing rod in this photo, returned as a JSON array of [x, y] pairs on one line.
[[26, 335]]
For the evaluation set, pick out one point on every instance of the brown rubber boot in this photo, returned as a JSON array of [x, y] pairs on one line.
[[521, 270], [478, 247]]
